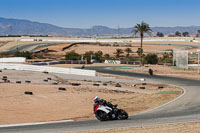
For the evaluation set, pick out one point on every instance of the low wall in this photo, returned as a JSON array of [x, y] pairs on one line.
[[13, 59], [60, 62], [48, 69]]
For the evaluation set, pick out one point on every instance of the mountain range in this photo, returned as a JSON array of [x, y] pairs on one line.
[[26, 27]]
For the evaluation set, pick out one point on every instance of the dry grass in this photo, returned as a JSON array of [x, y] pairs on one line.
[[47, 100]]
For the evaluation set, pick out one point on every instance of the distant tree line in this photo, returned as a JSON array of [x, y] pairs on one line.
[[177, 33]]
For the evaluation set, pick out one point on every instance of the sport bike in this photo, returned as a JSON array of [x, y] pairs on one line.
[[104, 113]]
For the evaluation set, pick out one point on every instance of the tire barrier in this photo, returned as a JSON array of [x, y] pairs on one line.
[[142, 88], [160, 87], [76, 84], [28, 93], [46, 69], [96, 85], [144, 83], [6, 81], [118, 85], [5, 77], [18, 82], [62, 89], [45, 80], [54, 83], [46, 72], [104, 84], [48, 78], [27, 81]]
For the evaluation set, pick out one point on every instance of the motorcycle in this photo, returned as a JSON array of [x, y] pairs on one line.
[[104, 113]]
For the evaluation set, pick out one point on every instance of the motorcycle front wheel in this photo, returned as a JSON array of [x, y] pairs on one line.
[[102, 116], [122, 115]]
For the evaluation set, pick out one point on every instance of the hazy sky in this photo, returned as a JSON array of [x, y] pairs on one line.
[[112, 13]]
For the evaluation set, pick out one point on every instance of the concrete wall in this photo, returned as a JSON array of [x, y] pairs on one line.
[[13, 59], [48, 69]]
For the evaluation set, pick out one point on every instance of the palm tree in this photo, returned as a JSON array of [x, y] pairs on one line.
[[142, 28], [128, 51], [118, 52]]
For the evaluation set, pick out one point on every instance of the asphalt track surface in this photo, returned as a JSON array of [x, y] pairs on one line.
[[26, 47], [184, 109]]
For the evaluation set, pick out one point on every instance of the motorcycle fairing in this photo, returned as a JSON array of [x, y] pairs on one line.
[[104, 108]]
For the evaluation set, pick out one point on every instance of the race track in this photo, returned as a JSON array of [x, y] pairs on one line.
[[184, 109]]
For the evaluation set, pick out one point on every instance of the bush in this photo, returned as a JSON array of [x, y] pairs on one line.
[[151, 59], [25, 54], [72, 56], [166, 58]]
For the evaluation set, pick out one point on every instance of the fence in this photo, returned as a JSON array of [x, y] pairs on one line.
[[48, 69], [180, 58]]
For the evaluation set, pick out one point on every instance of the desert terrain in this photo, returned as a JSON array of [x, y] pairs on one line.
[[48, 103], [148, 46], [191, 73]]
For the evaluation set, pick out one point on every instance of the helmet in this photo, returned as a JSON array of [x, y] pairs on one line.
[[96, 99]]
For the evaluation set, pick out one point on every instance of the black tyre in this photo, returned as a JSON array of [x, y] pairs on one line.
[[102, 116], [122, 115]]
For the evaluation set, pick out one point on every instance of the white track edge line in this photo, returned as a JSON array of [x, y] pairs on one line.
[[36, 123]]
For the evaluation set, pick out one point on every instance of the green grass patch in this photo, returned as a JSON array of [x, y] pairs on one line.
[[116, 68], [169, 92]]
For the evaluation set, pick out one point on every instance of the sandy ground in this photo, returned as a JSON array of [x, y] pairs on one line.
[[109, 50], [193, 127], [48, 103], [81, 49], [166, 71]]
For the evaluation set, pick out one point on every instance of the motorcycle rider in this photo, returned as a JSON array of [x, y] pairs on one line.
[[98, 101]]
